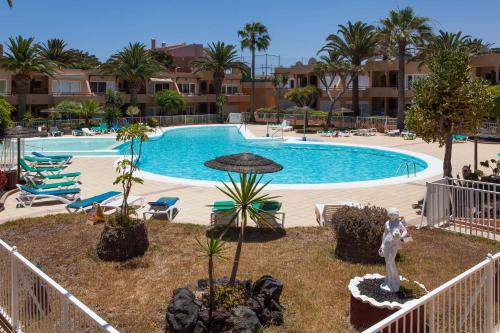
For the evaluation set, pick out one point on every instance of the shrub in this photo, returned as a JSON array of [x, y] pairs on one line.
[[359, 233], [153, 122]]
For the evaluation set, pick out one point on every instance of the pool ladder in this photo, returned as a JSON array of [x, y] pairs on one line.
[[407, 165]]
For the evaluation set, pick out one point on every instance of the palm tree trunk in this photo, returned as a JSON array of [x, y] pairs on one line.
[[237, 254], [252, 99], [23, 88], [133, 88], [355, 90], [401, 86], [218, 80], [355, 95], [447, 169]]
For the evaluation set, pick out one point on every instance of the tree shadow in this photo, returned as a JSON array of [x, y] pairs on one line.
[[252, 234]]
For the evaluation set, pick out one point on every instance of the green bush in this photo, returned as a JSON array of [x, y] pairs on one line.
[[359, 233], [153, 122]]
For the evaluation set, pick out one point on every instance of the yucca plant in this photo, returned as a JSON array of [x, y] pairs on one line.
[[246, 195], [211, 249]]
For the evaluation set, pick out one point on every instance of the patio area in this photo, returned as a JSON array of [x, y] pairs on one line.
[[98, 174]]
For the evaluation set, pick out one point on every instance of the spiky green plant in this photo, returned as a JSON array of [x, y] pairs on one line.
[[247, 194], [211, 249]]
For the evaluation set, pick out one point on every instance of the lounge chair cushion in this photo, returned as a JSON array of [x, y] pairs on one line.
[[223, 205], [54, 185], [52, 157], [270, 206], [164, 202], [95, 199], [52, 192], [26, 167], [61, 175]]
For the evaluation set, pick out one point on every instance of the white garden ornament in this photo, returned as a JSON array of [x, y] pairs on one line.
[[394, 233]]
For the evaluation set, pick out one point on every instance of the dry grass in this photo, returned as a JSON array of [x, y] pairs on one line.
[[133, 296]]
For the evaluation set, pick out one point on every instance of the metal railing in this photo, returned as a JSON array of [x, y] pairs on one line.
[[466, 303], [162, 120], [489, 128], [349, 122], [465, 206], [31, 302]]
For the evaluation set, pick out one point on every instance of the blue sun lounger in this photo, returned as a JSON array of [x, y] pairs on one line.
[[164, 205], [53, 157], [27, 195], [82, 205]]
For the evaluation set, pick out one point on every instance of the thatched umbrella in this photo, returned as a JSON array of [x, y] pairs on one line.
[[343, 111], [19, 133], [244, 163]]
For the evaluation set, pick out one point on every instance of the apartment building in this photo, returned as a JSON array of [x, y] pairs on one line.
[[378, 83], [78, 85]]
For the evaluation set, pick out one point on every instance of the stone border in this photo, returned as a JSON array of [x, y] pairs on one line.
[[4, 197], [353, 288]]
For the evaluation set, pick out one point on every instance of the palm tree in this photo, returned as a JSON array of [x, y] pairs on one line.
[[89, 109], [451, 41], [10, 3], [24, 59], [401, 30], [280, 81], [356, 42], [219, 58], [254, 37], [56, 50], [135, 65]]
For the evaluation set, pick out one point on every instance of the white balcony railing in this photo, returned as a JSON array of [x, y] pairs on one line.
[[30, 301], [466, 303]]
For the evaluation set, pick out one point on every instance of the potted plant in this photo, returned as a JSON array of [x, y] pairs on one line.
[[124, 235]]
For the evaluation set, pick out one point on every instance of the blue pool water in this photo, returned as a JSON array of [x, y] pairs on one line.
[[75, 146], [182, 152]]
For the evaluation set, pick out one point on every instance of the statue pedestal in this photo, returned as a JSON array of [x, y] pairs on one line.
[[366, 311]]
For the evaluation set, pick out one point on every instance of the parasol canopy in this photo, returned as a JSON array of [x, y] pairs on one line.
[[244, 163]]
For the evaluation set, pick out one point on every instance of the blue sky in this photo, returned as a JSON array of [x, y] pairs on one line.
[[298, 28]]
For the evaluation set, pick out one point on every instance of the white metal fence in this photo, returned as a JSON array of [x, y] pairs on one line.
[[30, 301], [465, 206], [162, 121], [467, 303], [341, 122]]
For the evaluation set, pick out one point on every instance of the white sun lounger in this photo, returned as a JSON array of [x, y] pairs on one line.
[[28, 196], [87, 131]]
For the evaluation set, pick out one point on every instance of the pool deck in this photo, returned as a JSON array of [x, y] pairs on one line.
[[298, 204]]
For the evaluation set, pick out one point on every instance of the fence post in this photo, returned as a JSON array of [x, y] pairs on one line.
[[14, 290], [489, 290], [65, 314]]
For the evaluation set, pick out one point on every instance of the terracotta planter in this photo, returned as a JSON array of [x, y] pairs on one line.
[[366, 311]]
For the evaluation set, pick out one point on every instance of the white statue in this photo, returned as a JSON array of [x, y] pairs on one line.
[[394, 233]]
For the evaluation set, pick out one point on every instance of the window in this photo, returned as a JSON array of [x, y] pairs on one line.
[[410, 78], [186, 88], [229, 89], [100, 87], [161, 86], [229, 71], [3, 87], [291, 84], [66, 87]]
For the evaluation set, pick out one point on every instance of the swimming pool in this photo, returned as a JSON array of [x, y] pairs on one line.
[[179, 154], [79, 146]]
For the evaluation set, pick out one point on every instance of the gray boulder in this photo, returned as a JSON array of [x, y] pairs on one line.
[[268, 288], [183, 311], [245, 320]]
